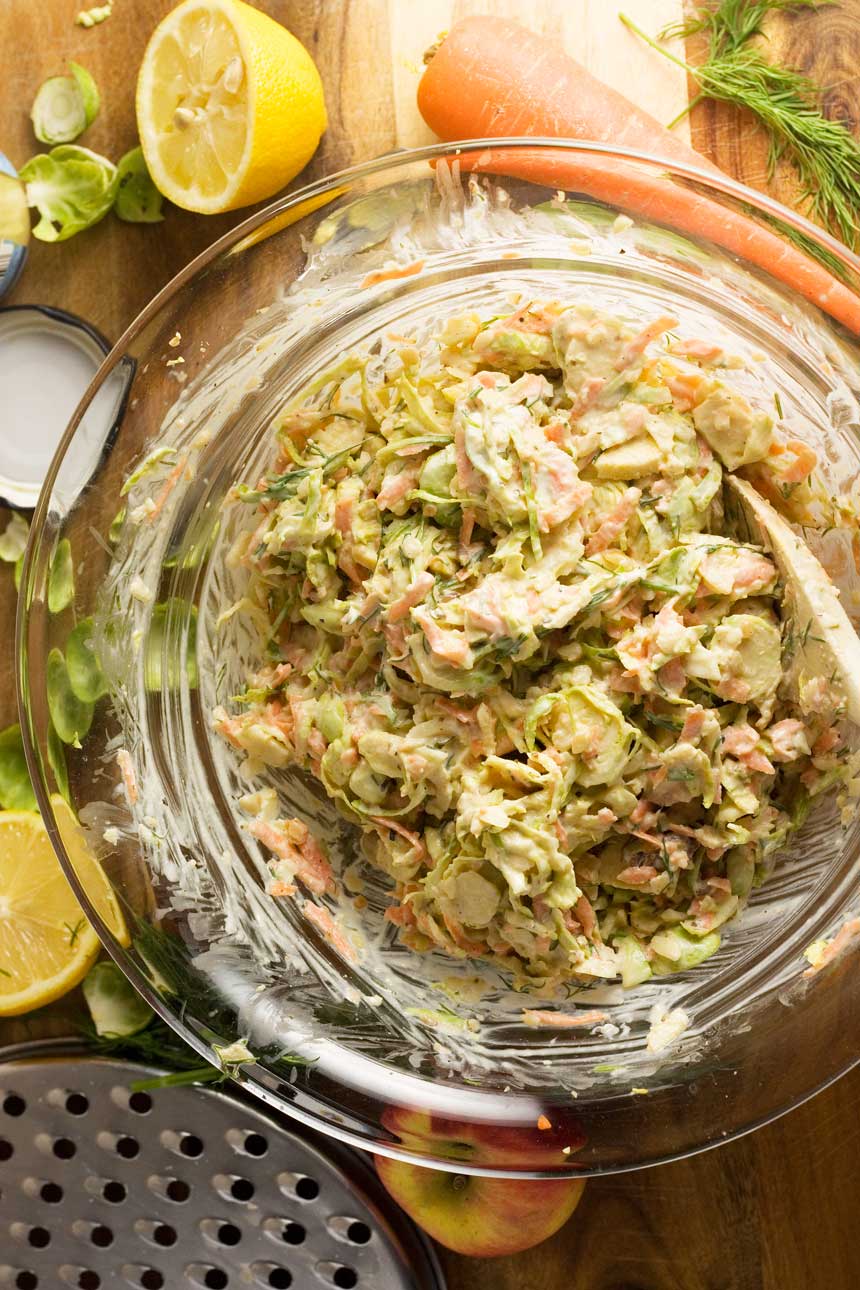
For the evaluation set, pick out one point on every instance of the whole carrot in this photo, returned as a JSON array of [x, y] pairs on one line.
[[491, 78]]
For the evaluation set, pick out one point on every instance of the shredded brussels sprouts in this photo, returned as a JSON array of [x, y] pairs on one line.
[[504, 625]]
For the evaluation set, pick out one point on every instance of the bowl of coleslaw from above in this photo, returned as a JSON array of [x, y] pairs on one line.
[[451, 658]]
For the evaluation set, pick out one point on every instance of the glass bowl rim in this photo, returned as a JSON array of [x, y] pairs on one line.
[[392, 161]]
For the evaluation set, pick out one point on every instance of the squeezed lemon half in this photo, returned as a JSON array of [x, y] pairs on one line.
[[229, 106]]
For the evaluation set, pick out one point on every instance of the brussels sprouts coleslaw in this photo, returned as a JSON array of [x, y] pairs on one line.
[[507, 625]]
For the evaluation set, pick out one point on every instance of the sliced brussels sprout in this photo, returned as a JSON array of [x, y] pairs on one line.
[[677, 950], [632, 960]]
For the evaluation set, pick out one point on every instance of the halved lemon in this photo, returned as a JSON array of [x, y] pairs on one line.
[[229, 106], [46, 943]]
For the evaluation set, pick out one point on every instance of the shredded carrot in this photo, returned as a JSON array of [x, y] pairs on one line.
[[126, 770], [167, 488], [563, 1020], [388, 275], [328, 928]]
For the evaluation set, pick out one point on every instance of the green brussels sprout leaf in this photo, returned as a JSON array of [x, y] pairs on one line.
[[85, 672], [114, 1005], [88, 90], [71, 188], [61, 579], [57, 762], [138, 201], [13, 539], [71, 716], [16, 791]]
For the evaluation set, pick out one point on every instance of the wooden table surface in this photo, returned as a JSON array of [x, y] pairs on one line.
[[775, 1210]]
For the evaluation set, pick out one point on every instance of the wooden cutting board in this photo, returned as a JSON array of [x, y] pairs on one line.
[[774, 1211]]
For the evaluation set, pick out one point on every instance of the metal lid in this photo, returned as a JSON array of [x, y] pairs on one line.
[[47, 360], [104, 1186], [14, 225]]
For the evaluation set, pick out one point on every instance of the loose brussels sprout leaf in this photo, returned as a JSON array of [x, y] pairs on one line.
[[16, 791], [57, 762], [114, 1005], [71, 188], [13, 539], [61, 579], [85, 672], [138, 201], [71, 716]]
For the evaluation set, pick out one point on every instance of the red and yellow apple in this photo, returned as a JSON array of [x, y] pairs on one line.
[[474, 1214]]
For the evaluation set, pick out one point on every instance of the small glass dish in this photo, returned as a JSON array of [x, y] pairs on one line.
[[376, 1052]]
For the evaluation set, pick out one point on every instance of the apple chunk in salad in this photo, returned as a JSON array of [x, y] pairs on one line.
[[505, 623]]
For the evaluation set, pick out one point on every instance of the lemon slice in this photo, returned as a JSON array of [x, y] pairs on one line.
[[46, 943], [229, 106], [14, 215]]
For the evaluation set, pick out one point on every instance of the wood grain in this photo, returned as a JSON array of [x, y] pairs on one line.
[[776, 1210]]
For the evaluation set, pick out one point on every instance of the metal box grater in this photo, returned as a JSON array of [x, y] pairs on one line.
[[182, 1186]]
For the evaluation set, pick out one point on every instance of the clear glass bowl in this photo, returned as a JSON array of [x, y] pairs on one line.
[[370, 1053]]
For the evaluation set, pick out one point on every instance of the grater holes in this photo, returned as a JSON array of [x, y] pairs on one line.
[[77, 1104], [14, 1104], [127, 1147], [114, 1192], [38, 1237], [6, 1150], [190, 1145], [272, 1275], [307, 1189], [89, 1280], [255, 1144], [26, 1280], [292, 1233], [242, 1189], [140, 1102], [101, 1236], [163, 1234], [215, 1279], [51, 1193], [344, 1278], [177, 1190], [63, 1148], [228, 1234], [359, 1233], [151, 1279]]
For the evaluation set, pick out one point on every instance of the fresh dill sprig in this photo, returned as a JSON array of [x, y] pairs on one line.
[[824, 153], [733, 22]]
